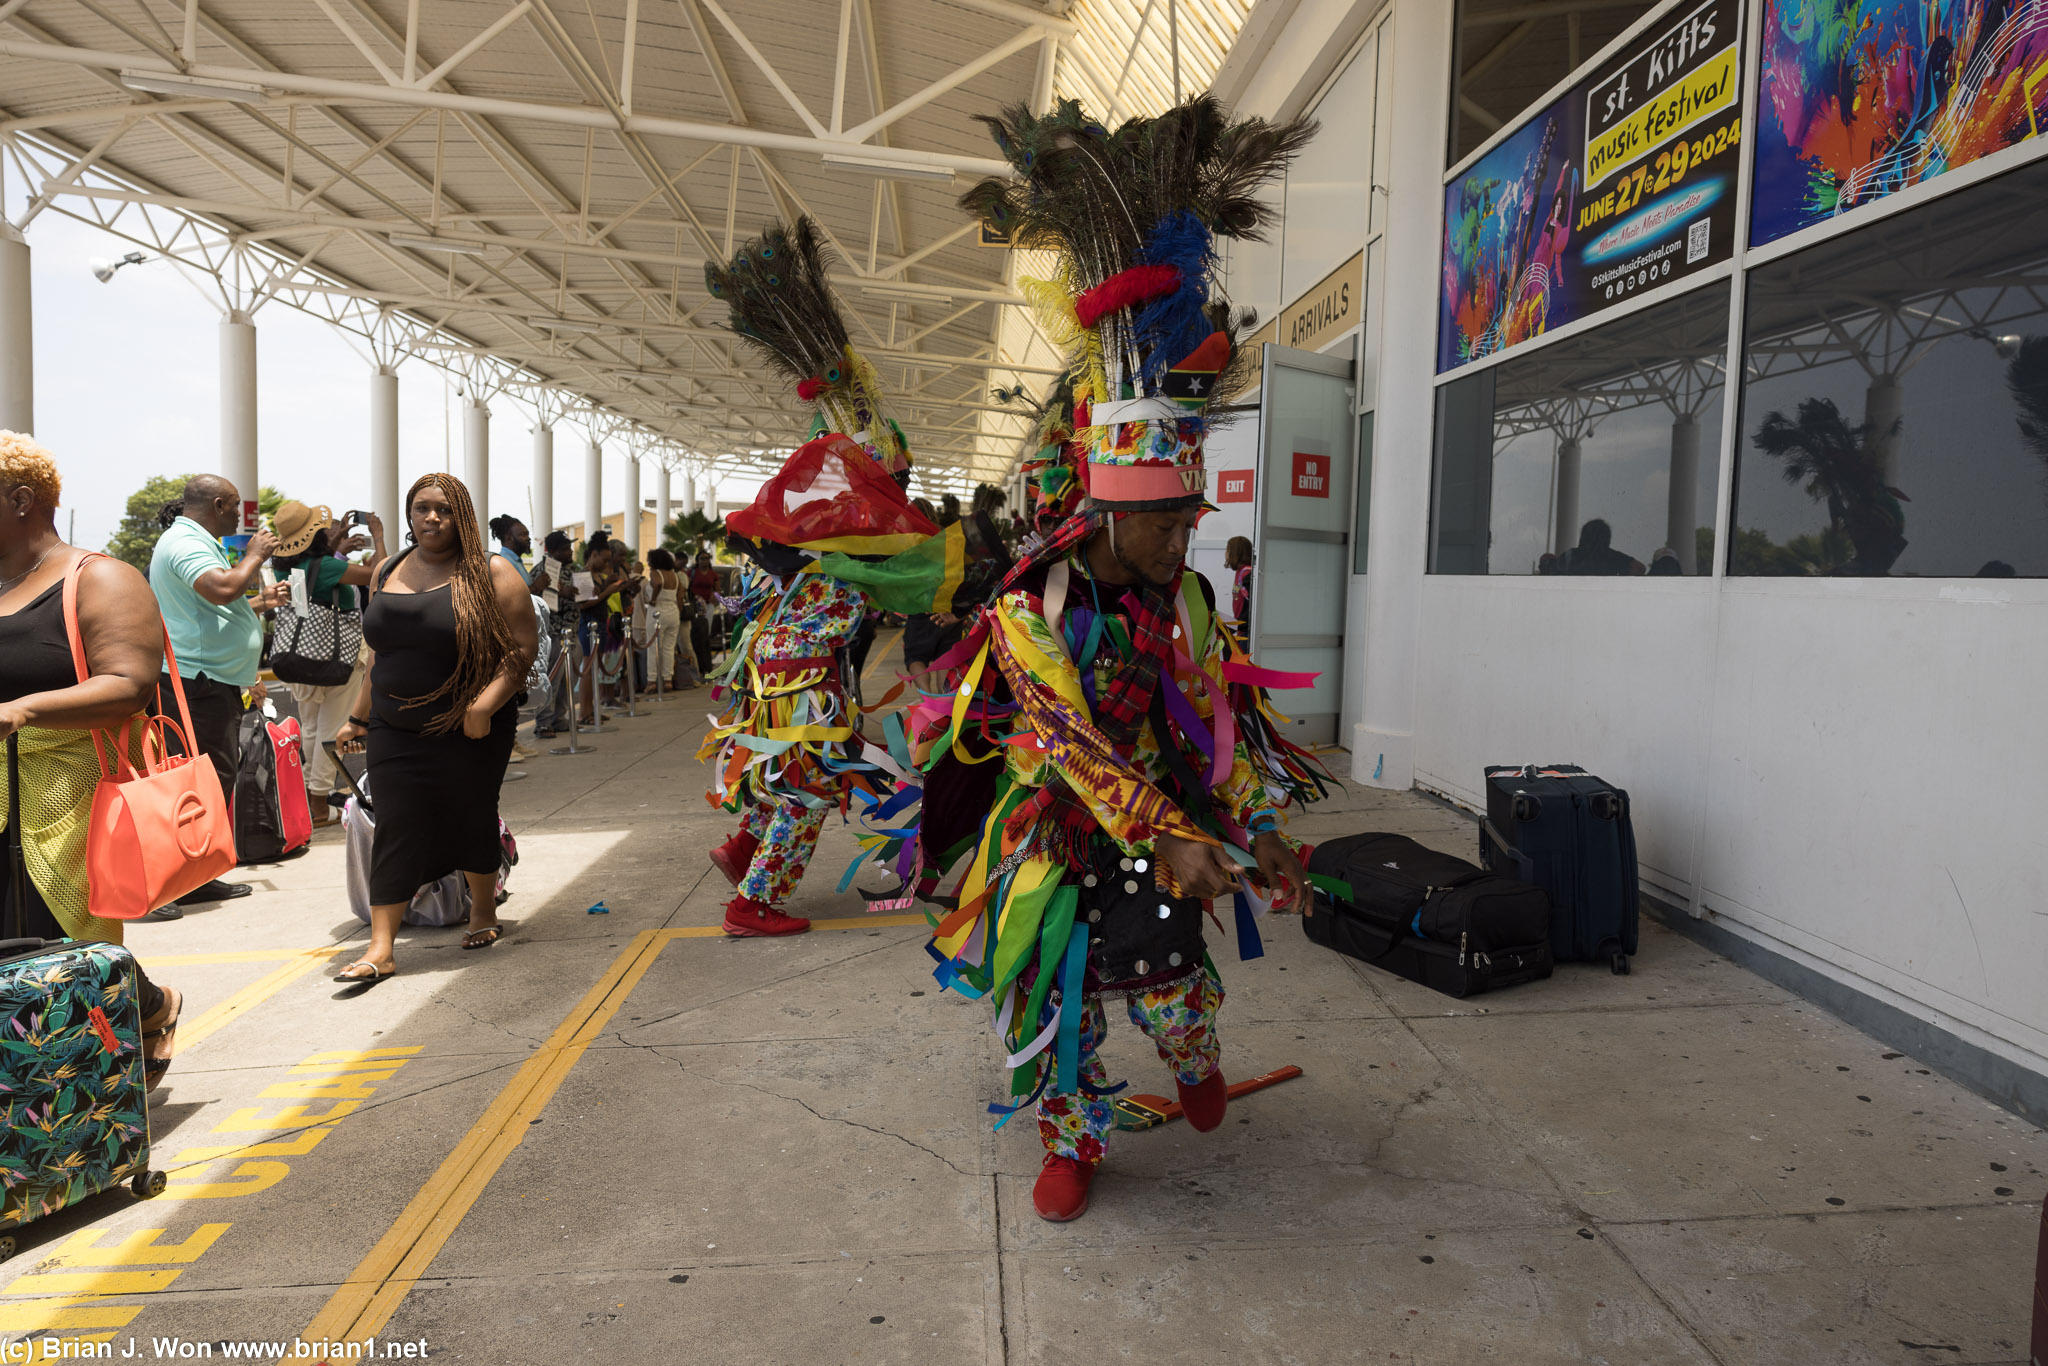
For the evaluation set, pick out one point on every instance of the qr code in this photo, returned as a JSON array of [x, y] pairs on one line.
[[1696, 240]]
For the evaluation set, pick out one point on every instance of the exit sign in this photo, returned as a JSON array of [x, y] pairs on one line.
[[1311, 475], [1233, 486]]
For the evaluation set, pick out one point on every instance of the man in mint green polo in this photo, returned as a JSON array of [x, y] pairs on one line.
[[214, 631]]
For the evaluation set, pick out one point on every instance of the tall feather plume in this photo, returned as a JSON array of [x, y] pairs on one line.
[[782, 306], [1154, 192]]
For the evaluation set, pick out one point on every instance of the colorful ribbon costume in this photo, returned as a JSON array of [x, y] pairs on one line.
[[1095, 717], [788, 747]]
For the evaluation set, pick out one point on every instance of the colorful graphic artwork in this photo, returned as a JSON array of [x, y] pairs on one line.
[[1624, 183], [1863, 98]]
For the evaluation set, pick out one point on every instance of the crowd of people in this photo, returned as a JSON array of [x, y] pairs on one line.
[[429, 651]]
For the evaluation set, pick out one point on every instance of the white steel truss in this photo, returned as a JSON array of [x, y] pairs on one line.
[[525, 192]]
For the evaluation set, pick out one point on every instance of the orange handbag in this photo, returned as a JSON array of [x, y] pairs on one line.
[[158, 831]]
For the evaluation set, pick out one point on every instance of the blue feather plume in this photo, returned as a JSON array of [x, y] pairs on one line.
[[1169, 327]]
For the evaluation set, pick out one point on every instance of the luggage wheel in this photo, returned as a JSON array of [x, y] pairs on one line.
[[6, 1247], [1619, 963], [147, 1184]]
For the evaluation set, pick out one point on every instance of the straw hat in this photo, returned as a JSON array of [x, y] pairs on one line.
[[295, 525]]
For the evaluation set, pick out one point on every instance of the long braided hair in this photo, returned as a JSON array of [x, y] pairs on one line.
[[482, 640]]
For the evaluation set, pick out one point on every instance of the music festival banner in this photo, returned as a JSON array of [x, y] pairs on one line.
[[1625, 183], [1860, 100]]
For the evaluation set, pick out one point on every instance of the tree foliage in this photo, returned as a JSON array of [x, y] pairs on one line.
[[686, 535], [135, 538]]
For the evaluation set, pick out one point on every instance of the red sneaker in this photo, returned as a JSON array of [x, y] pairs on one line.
[[732, 857], [748, 918], [1203, 1104], [1061, 1193]]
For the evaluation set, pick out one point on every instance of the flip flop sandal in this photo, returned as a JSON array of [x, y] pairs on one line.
[[156, 1056], [493, 933], [345, 979]]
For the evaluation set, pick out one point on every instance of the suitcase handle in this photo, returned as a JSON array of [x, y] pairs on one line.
[[1490, 837], [10, 948]]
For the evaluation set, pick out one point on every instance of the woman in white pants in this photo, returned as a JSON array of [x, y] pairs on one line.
[[309, 540], [664, 599]]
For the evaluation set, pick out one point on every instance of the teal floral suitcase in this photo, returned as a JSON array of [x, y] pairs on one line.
[[73, 1118]]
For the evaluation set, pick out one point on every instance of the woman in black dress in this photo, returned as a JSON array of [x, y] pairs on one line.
[[451, 632]]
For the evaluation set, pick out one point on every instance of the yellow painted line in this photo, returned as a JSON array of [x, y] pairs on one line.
[[255, 994], [373, 1291], [381, 1281], [883, 657], [862, 922], [245, 956]]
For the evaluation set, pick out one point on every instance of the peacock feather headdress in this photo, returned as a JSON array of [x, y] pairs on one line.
[[781, 304], [1134, 216]]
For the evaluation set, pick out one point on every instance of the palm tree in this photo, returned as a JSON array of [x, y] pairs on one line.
[[1838, 464], [2026, 378], [690, 533]]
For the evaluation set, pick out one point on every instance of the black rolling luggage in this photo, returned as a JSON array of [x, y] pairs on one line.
[[1432, 918], [1568, 832]]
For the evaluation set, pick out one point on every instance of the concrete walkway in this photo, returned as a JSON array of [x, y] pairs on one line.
[[624, 1138]]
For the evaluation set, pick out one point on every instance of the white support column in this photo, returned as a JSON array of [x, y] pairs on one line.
[[1383, 741], [476, 460], [663, 483], [384, 494], [711, 498], [17, 336], [593, 489], [686, 497], [238, 411], [1884, 403], [1564, 521], [630, 507], [543, 481], [1683, 502]]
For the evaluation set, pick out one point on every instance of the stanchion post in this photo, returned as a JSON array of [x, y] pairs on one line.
[[564, 658], [627, 668]]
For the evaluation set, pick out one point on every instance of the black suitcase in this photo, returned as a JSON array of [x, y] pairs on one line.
[[1432, 918], [1568, 832], [77, 1121]]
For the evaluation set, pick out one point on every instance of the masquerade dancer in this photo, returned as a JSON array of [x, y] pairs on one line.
[[787, 749], [1109, 740]]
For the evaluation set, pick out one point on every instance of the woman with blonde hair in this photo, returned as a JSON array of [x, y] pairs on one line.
[[48, 715], [450, 630]]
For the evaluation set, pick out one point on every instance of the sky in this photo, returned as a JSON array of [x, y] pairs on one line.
[[127, 386]]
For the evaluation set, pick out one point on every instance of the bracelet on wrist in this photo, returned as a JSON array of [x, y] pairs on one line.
[[362, 721]]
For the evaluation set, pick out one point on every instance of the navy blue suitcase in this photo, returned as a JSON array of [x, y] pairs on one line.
[[1568, 832]]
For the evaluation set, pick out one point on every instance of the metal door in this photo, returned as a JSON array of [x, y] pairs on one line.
[[1304, 508]]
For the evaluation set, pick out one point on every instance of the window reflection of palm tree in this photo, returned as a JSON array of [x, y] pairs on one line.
[[2026, 379], [1838, 464]]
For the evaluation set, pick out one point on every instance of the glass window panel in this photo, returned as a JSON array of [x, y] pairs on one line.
[[1563, 460], [1510, 53], [1895, 405]]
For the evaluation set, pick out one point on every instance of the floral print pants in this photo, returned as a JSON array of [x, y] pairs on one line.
[[788, 834], [1179, 1018]]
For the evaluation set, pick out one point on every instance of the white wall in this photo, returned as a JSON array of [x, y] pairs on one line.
[[1875, 799], [1848, 760], [1609, 673]]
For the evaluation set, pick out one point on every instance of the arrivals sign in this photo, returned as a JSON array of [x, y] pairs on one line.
[[1625, 183]]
